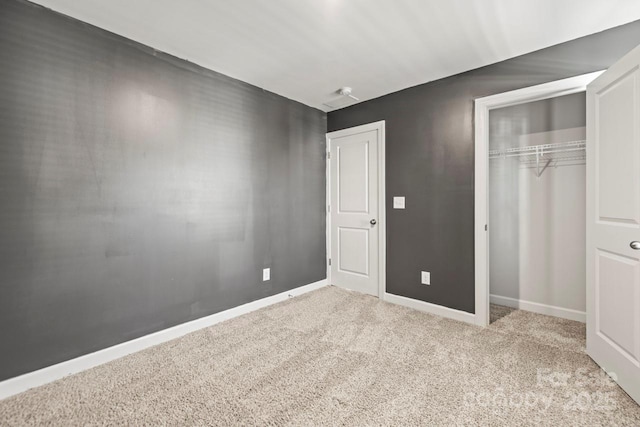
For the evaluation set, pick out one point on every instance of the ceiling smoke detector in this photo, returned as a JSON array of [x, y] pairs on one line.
[[345, 98], [346, 91]]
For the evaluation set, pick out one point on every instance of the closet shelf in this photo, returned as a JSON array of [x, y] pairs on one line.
[[541, 156]]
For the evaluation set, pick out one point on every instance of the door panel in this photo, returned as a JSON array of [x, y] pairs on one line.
[[616, 284], [613, 222], [353, 177], [353, 247], [354, 202], [618, 166]]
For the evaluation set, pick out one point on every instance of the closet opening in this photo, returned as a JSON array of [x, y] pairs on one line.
[[536, 211]]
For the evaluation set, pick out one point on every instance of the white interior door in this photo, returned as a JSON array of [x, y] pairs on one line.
[[613, 222], [354, 209]]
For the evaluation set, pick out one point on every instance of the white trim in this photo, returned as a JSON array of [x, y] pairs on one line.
[[327, 205], [46, 375], [382, 197], [549, 310], [427, 307], [482, 108]]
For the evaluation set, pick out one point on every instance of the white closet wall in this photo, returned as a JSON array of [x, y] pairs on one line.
[[537, 231]]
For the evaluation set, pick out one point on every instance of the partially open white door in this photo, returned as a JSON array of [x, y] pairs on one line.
[[613, 222]]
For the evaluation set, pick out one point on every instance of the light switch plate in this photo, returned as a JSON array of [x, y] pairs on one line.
[[398, 202], [266, 274], [426, 278]]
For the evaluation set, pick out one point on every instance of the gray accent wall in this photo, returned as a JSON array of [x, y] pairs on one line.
[[140, 191], [430, 160]]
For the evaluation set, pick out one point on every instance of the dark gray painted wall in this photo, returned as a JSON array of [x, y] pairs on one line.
[[140, 191], [430, 157]]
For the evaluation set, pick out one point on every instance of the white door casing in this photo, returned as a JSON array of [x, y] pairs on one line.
[[482, 108], [613, 222], [356, 226]]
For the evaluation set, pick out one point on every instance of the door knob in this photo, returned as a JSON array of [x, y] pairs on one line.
[[374, 222], [635, 245]]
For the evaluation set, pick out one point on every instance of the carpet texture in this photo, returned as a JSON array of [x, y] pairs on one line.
[[333, 357], [497, 312]]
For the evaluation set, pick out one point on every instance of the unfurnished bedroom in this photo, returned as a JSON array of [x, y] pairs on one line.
[[323, 212]]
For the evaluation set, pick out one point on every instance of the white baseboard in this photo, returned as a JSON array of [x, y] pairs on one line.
[[549, 310], [46, 375], [438, 310]]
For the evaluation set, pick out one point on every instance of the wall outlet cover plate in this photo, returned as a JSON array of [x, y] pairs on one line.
[[425, 278], [398, 202], [266, 274]]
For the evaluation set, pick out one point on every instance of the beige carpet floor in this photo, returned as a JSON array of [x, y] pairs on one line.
[[333, 357], [497, 312]]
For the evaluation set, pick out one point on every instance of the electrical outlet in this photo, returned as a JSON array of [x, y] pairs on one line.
[[426, 278], [266, 274]]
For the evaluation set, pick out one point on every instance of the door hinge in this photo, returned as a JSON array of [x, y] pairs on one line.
[[485, 227], [328, 208], [329, 261], [328, 154]]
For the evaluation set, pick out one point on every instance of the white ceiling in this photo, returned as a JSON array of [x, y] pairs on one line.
[[306, 49]]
